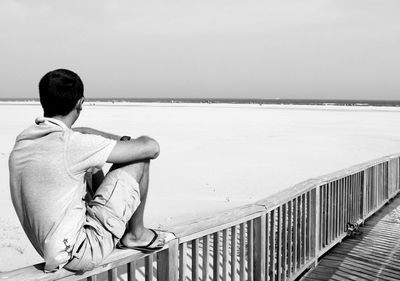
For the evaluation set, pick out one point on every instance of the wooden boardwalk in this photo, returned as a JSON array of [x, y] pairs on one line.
[[373, 255]]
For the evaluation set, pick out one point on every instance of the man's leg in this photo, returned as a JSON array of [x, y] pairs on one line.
[[136, 233]]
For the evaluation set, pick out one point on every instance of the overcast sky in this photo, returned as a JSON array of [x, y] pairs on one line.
[[208, 48]]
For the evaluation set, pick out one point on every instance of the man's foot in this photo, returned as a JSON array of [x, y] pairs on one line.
[[145, 244]]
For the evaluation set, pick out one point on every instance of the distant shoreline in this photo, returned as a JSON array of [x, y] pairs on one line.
[[330, 102]]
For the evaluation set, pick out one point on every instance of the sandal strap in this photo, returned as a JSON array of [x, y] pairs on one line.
[[154, 238]]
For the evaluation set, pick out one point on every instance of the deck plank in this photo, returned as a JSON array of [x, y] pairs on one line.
[[373, 255]]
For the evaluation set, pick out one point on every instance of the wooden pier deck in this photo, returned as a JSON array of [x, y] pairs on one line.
[[373, 255]]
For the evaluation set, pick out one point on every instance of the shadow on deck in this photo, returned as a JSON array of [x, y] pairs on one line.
[[373, 255]]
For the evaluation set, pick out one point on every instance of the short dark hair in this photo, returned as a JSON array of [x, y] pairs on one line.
[[59, 91]]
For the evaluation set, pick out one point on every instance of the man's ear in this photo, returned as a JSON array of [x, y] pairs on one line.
[[79, 104]]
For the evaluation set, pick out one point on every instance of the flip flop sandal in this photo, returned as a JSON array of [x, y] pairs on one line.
[[157, 243]]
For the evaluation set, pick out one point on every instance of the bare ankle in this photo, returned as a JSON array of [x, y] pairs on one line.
[[135, 235]]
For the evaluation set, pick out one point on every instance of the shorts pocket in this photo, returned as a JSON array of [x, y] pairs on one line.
[[114, 203]]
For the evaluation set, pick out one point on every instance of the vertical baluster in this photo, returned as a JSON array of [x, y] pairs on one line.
[[299, 232], [330, 213], [327, 214], [353, 203], [386, 172], [338, 230], [284, 241], [373, 189], [206, 247], [359, 196], [167, 262], [363, 193], [339, 206], [336, 209], [195, 259], [345, 196], [376, 187], [233, 253], [310, 222], [353, 218], [279, 245], [295, 230], [148, 268], [326, 199], [392, 173], [92, 278], [216, 256], [303, 229], [112, 274], [384, 169], [370, 189], [352, 199], [182, 261], [242, 253], [381, 183], [289, 243], [368, 192], [259, 247], [327, 220], [131, 271], [333, 210], [225, 255], [397, 182], [268, 247], [370, 195], [350, 183], [250, 250], [322, 217], [317, 222], [273, 245]]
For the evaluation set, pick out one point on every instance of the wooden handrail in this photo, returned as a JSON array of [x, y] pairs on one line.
[[313, 212]]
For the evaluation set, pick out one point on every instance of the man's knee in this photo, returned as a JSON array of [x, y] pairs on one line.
[[137, 170]]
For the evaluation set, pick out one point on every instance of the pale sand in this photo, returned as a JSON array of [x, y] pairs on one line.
[[215, 157]]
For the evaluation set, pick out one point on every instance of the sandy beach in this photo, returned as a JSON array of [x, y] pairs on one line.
[[214, 157]]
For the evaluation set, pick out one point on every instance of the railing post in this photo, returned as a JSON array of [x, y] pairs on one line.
[[364, 194], [167, 262], [259, 247], [317, 223]]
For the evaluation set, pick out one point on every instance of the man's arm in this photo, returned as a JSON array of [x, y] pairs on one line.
[[86, 130], [133, 150]]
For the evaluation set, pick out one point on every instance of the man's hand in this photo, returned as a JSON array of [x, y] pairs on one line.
[[134, 150]]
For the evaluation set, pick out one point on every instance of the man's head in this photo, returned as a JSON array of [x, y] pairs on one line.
[[60, 91]]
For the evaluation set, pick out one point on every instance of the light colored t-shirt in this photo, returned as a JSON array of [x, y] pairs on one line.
[[47, 170]]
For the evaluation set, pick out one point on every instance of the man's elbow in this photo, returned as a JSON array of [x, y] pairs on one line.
[[156, 149], [153, 147]]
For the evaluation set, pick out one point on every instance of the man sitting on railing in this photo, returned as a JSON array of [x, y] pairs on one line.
[[47, 180]]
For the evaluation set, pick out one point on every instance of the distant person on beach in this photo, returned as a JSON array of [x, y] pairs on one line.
[[49, 165]]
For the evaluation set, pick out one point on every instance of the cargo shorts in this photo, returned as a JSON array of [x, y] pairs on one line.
[[107, 214]]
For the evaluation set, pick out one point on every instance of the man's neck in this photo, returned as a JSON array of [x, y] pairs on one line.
[[68, 120]]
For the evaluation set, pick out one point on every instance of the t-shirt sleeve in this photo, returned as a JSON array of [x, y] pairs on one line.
[[85, 152]]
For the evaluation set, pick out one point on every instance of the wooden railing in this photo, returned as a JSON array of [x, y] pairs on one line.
[[278, 238]]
